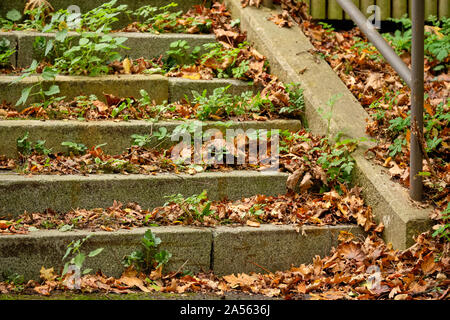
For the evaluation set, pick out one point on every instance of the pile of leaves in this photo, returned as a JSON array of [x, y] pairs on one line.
[[292, 208]]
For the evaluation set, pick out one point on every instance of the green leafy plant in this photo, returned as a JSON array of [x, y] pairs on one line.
[[102, 17], [195, 207], [337, 161], [94, 52], [179, 55], [46, 95], [296, 99], [74, 148], [437, 40], [25, 147], [5, 52], [148, 257], [444, 229], [77, 257]]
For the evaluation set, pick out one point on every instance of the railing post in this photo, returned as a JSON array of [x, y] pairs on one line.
[[417, 96]]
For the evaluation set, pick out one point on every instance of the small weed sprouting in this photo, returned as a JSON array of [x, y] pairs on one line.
[[74, 148], [25, 147], [195, 207], [443, 230], [77, 257], [148, 258], [296, 100], [5, 52]]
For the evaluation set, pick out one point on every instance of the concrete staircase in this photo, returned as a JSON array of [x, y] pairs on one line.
[[223, 250]]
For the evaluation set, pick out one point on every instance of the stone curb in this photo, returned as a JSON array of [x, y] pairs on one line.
[[116, 135], [291, 59], [62, 193], [224, 250]]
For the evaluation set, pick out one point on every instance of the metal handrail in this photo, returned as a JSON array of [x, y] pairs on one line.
[[414, 77]]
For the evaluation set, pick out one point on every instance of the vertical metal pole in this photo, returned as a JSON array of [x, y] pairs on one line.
[[417, 95]]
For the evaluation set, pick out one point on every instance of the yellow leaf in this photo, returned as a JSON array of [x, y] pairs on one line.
[[192, 76], [127, 66], [253, 224], [47, 274]]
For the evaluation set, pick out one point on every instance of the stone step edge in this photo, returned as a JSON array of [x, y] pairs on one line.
[[145, 45], [116, 135], [19, 193], [159, 88], [223, 250]]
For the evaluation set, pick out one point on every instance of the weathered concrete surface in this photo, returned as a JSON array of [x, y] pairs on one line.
[[85, 6], [12, 45], [62, 193], [288, 51], [116, 135], [272, 247], [158, 87], [145, 45], [179, 87], [224, 250], [26, 254], [72, 86]]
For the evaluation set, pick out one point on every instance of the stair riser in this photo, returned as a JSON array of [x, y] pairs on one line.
[[85, 6], [159, 88], [141, 44], [62, 193], [116, 135], [224, 250]]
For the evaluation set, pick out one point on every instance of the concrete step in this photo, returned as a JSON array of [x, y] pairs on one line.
[[145, 45], [158, 87], [85, 6], [223, 250], [116, 135], [62, 193]]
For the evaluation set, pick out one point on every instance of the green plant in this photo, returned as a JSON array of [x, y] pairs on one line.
[[328, 115], [102, 17], [25, 147], [444, 229], [337, 161], [92, 54], [148, 257], [296, 99], [74, 148], [397, 146], [220, 101], [178, 54], [5, 52], [78, 257], [437, 40], [225, 60], [47, 96], [195, 207]]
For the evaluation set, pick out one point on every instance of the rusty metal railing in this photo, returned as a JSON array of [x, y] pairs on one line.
[[413, 77]]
